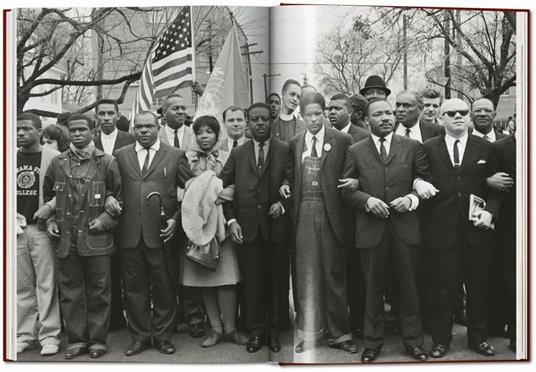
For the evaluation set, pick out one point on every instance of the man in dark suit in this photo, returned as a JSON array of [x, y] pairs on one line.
[[409, 105], [109, 140], [149, 166], [259, 224], [459, 244], [234, 121], [482, 114], [387, 229], [322, 225], [340, 111], [503, 160]]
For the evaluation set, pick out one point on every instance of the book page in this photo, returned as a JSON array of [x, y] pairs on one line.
[[334, 50]]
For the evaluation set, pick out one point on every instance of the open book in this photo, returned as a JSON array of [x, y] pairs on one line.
[[62, 62]]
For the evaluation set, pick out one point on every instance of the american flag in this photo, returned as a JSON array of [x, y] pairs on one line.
[[170, 64]]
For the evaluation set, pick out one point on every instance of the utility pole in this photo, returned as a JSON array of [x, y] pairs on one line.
[[458, 54], [248, 53], [265, 75], [405, 45], [446, 26]]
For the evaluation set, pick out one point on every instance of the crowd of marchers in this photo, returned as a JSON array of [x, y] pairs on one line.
[[354, 205]]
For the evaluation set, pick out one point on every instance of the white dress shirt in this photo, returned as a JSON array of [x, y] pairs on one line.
[[491, 135], [449, 140], [265, 148], [170, 134], [142, 153], [386, 143], [414, 131], [309, 142], [108, 141], [346, 128], [230, 142]]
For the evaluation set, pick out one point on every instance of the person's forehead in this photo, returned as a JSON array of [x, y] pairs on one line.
[[337, 103], [175, 101], [482, 103], [106, 107], [25, 123], [454, 105], [406, 97], [144, 119], [431, 100], [259, 111], [294, 88], [274, 99], [373, 90], [77, 123], [313, 106], [379, 106], [234, 114]]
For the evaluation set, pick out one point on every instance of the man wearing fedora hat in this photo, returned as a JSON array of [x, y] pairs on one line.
[[375, 88]]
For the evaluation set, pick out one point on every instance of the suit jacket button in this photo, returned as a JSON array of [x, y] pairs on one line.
[[258, 205], [459, 194]]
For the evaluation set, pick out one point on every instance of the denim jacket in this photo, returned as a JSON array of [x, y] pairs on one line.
[[103, 179]]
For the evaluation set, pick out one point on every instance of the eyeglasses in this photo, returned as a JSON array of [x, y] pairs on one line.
[[453, 113]]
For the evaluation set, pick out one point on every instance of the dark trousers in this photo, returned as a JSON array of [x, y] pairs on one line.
[[472, 264], [261, 289], [355, 287], [403, 261], [507, 242], [85, 301], [117, 319], [148, 281]]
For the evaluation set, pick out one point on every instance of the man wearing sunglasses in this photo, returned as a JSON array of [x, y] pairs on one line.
[[459, 244]]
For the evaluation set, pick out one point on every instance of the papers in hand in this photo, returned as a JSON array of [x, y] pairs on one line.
[[477, 204]]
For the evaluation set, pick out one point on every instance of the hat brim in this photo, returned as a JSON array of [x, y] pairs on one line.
[[386, 90]]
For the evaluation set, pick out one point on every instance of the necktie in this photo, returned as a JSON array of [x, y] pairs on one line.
[[383, 151], [176, 140], [408, 132], [145, 162], [260, 160], [235, 143], [456, 154], [314, 154]]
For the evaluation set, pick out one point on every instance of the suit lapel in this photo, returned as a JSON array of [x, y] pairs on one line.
[[375, 150], [133, 157], [157, 158], [395, 145], [298, 159], [328, 139], [268, 158], [444, 153], [471, 150], [250, 153]]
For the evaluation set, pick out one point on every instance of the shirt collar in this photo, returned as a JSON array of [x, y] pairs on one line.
[[266, 143], [171, 131], [450, 140], [287, 117], [319, 135], [109, 136], [155, 146], [387, 137], [491, 134], [346, 128]]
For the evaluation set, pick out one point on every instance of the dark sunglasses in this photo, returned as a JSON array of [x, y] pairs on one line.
[[453, 113]]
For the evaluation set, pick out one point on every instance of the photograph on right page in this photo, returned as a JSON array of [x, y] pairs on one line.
[[397, 119]]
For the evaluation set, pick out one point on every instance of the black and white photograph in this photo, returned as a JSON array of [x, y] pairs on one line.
[[293, 184]]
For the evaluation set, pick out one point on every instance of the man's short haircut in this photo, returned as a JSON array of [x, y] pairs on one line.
[[63, 117], [414, 93], [369, 103], [310, 98], [89, 120], [487, 99], [123, 124], [305, 86], [167, 98], [358, 103], [257, 105], [208, 121], [36, 120], [339, 96], [287, 83], [233, 108], [107, 101], [145, 113], [273, 94], [431, 94]]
